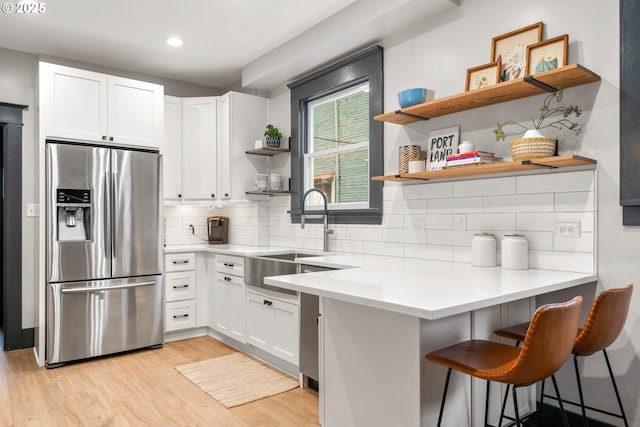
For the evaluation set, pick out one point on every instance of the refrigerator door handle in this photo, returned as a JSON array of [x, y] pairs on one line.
[[107, 216], [114, 199], [106, 288]]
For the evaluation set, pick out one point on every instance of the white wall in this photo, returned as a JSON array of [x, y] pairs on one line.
[[17, 86]]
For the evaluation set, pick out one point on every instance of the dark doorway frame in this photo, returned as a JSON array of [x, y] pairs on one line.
[[11, 127]]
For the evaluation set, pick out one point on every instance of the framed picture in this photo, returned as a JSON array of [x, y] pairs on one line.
[[483, 76], [442, 142], [511, 50], [547, 55]]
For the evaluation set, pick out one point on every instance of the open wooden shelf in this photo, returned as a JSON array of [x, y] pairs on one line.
[[269, 192], [547, 164], [267, 151], [567, 76]]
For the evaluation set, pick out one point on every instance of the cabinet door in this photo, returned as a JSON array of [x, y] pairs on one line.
[[258, 321], [284, 331], [242, 120], [74, 103], [199, 156], [171, 149], [135, 112], [222, 306], [238, 306]]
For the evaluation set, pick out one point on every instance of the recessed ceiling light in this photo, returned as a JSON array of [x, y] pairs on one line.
[[174, 41]]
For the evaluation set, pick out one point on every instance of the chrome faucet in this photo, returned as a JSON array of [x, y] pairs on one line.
[[325, 214]]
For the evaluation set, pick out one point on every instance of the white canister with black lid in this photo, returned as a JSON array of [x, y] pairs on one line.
[[515, 252], [483, 250]]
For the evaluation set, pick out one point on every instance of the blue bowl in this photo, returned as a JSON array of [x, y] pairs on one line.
[[409, 97]]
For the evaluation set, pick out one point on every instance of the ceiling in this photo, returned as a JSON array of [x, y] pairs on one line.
[[226, 42]]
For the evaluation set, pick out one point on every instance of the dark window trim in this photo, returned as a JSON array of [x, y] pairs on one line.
[[358, 68], [629, 110]]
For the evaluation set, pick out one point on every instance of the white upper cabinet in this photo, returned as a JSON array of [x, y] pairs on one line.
[[242, 120], [87, 106], [199, 149], [171, 149], [134, 112]]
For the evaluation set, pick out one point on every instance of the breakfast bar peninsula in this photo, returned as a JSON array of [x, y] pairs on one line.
[[378, 321]]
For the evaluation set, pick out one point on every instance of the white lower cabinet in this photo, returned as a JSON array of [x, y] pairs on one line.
[[180, 291], [179, 315], [273, 324], [230, 298]]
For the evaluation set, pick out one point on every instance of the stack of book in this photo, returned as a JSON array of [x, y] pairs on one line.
[[471, 158]]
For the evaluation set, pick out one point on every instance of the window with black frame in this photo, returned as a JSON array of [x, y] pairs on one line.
[[336, 145]]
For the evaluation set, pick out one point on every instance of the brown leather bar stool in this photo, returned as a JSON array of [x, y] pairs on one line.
[[604, 323], [547, 345]]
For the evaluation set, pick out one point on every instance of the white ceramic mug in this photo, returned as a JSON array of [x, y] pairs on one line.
[[275, 181], [466, 147], [260, 181]]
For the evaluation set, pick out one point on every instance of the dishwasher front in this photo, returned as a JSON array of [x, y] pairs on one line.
[[309, 313]]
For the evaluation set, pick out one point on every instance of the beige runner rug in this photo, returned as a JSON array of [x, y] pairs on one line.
[[237, 379]]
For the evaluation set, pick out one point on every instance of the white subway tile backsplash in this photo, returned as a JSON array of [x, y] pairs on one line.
[[584, 244], [547, 221], [519, 203], [578, 202], [484, 187], [491, 221], [449, 237], [431, 221], [437, 190], [383, 248], [418, 222], [564, 261], [464, 205], [432, 252], [556, 182]]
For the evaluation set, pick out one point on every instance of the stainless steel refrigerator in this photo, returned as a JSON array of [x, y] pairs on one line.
[[104, 270]]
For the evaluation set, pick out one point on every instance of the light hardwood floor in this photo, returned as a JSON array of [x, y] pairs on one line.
[[141, 388]]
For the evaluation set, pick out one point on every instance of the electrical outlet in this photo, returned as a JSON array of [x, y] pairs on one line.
[[417, 225], [568, 229], [460, 222]]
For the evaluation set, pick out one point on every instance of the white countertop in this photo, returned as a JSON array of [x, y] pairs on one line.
[[422, 288], [430, 290]]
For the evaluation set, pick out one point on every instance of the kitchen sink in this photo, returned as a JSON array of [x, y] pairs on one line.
[[256, 268], [289, 256]]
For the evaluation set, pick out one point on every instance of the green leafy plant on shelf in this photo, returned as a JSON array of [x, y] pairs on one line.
[[272, 132], [545, 120]]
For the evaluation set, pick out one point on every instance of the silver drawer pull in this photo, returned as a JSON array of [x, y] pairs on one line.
[[180, 286], [180, 261], [106, 288], [180, 316]]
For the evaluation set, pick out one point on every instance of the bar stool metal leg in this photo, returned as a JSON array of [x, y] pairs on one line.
[[615, 388], [444, 396], [515, 406], [541, 401], [486, 406], [584, 411], [504, 404], [565, 420]]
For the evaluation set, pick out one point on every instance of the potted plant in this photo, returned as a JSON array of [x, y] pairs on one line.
[[273, 136], [534, 144]]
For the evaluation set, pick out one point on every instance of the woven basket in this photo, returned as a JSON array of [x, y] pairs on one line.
[[532, 148], [407, 153]]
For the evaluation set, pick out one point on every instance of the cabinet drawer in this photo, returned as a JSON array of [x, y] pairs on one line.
[[180, 262], [230, 265], [180, 285], [179, 315]]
